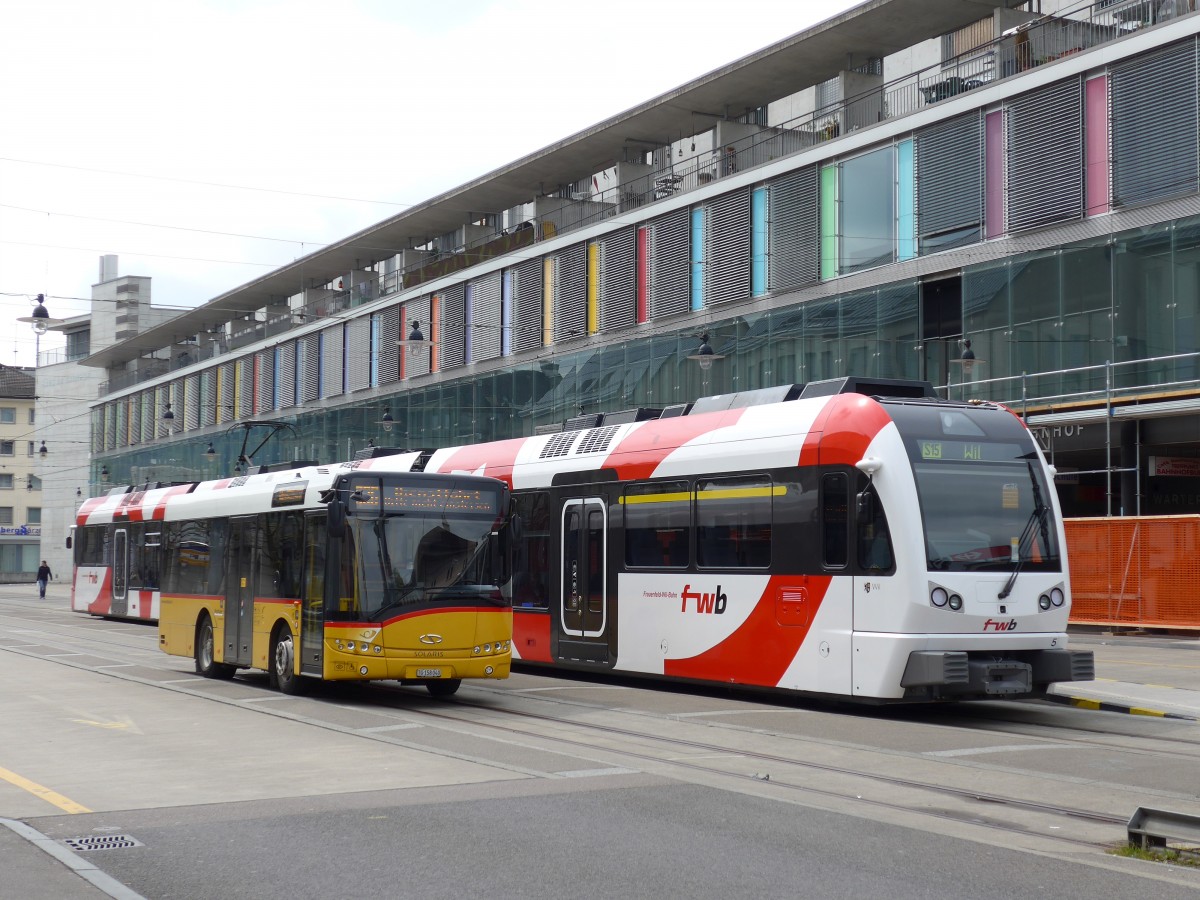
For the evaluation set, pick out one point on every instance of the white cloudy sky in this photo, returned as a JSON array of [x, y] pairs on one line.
[[206, 142]]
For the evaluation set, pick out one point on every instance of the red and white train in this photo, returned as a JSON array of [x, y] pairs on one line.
[[856, 539]]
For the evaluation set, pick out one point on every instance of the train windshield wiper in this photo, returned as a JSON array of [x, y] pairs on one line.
[[1036, 519]]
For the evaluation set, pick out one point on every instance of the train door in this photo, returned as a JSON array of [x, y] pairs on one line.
[[837, 609], [583, 589], [120, 565], [239, 590]]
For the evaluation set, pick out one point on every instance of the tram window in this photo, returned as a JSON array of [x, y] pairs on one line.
[[145, 559], [874, 539], [531, 552], [91, 546], [835, 501], [595, 549], [657, 524], [733, 523]]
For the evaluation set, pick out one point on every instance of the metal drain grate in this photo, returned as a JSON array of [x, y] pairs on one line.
[[102, 842]]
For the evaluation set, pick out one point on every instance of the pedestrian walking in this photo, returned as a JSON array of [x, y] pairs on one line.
[[43, 576]]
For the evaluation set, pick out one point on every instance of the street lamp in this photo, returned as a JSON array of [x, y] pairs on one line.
[[416, 340], [41, 321], [705, 356]]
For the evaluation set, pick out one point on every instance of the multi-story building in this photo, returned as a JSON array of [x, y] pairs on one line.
[[120, 308], [20, 488], [1010, 210]]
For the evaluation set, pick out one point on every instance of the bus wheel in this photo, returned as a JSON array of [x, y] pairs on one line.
[[283, 663], [205, 654], [446, 687]]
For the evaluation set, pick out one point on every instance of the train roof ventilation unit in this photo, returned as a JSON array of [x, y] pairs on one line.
[[638, 414], [579, 423], [558, 445], [597, 439], [871, 387], [742, 399]]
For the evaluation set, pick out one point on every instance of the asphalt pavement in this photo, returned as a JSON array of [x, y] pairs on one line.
[[1139, 674]]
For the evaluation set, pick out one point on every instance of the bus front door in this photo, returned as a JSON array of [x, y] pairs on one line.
[[239, 591], [583, 589], [120, 565]]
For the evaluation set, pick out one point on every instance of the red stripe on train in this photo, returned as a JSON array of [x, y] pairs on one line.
[[760, 651]]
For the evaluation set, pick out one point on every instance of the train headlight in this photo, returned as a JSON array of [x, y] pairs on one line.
[[955, 602], [938, 597], [1057, 597], [1044, 601]]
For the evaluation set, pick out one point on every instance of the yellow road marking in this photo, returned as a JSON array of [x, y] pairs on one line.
[[102, 724], [52, 797], [1145, 712]]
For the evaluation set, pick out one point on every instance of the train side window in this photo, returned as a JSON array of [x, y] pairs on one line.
[[874, 539], [145, 557], [733, 522], [835, 503], [531, 551], [91, 546], [657, 524]]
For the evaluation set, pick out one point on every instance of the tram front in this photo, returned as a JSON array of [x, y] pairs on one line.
[[985, 576]]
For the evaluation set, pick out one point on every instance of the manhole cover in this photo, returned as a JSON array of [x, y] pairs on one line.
[[102, 842]]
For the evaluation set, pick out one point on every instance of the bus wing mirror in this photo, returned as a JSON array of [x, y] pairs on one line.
[[499, 550], [336, 522], [69, 542]]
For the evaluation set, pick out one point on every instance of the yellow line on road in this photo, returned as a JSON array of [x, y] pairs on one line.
[[45, 793]]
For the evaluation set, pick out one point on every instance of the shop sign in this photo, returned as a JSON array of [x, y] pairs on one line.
[[1175, 467], [21, 530]]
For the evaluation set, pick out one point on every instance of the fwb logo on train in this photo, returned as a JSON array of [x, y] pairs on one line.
[[705, 603]]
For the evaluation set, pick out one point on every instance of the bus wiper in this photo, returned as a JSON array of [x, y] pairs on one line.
[[398, 602], [1037, 517]]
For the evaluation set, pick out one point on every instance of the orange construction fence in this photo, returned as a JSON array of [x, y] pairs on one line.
[[1135, 571]]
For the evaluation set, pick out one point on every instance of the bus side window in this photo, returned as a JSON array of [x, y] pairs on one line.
[[835, 501]]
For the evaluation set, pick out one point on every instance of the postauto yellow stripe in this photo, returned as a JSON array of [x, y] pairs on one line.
[[777, 490]]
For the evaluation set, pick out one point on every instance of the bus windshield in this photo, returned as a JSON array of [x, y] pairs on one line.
[[421, 548], [985, 503]]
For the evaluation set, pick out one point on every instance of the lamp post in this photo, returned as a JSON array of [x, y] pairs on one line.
[[41, 321], [705, 356]]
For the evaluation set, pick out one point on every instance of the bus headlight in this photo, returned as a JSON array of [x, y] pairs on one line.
[[1057, 597], [476, 648], [938, 597], [487, 648]]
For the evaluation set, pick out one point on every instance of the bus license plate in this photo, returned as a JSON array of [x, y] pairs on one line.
[[429, 673]]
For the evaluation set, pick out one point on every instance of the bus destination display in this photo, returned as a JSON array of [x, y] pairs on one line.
[[421, 498]]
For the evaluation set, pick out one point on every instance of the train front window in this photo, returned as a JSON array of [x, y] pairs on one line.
[[984, 506]]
